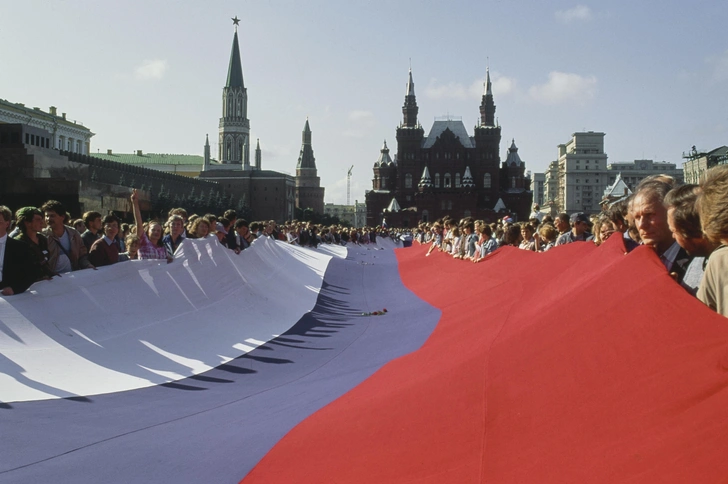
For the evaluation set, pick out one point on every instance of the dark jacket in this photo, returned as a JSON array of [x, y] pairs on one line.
[[20, 268]]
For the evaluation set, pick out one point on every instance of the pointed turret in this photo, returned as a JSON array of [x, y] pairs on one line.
[[410, 109], [513, 159], [258, 155], [394, 206], [306, 159], [410, 85], [206, 163], [384, 158], [235, 67], [467, 179], [425, 180], [487, 106]]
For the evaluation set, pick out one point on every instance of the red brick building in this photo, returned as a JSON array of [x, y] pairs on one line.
[[447, 172]]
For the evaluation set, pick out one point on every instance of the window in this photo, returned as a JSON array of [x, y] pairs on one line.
[[447, 183], [442, 205], [513, 182], [384, 182], [486, 180], [437, 180], [425, 216], [408, 180], [449, 204], [457, 180], [466, 213]]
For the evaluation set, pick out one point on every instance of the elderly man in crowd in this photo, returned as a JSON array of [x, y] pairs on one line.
[[67, 251], [650, 218], [18, 267]]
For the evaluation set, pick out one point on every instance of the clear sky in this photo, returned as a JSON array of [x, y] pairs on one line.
[[148, 75]]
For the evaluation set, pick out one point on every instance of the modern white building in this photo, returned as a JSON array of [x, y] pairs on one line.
[[582, 173], [635, 171], [66, 135]]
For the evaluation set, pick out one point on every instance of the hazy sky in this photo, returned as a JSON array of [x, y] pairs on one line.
[[148, 75]]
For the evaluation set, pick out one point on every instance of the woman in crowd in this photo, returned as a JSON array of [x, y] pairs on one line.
[[546, 239], [200, 228], [486, 242], [151, 245], [30, 223]]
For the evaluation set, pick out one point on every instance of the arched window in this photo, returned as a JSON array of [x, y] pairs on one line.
[[447, 182], [486, 180], [437, 180], [384, 182], [513, 182], [228, 149], [240, 151], [239, 108], [408, 180], [457, 180]]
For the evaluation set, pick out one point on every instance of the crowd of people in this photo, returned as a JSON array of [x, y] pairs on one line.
[[686, 226], [41, 243]]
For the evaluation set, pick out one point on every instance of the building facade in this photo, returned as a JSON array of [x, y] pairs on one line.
[[447, 171], [633, 172], [582, 165], [698, 162], [63, 134], [538, 184]]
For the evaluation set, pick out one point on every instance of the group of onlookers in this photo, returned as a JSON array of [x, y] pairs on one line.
[[686, 226], [45, 242]]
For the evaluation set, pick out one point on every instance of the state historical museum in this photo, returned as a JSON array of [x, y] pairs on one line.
[[447, 172]]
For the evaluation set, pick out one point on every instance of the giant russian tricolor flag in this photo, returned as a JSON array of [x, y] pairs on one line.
[[581, 364]]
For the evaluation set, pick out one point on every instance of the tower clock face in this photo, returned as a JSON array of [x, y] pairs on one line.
[[643, 165]]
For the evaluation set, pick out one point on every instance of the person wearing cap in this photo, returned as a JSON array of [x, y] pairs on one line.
[[221, 234], [579, 232], [18, 268]]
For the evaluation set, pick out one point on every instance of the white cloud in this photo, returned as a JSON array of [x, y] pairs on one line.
[[719, 66], [360, 124], [575, 14], [151, 69], [454, 90], [502, 85], [451, 90], [564, 86], [366, 116]]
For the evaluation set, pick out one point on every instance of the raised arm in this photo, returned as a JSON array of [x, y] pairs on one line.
[[137, 213]]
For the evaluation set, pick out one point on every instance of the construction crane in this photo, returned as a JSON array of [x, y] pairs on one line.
[[348, 186]]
